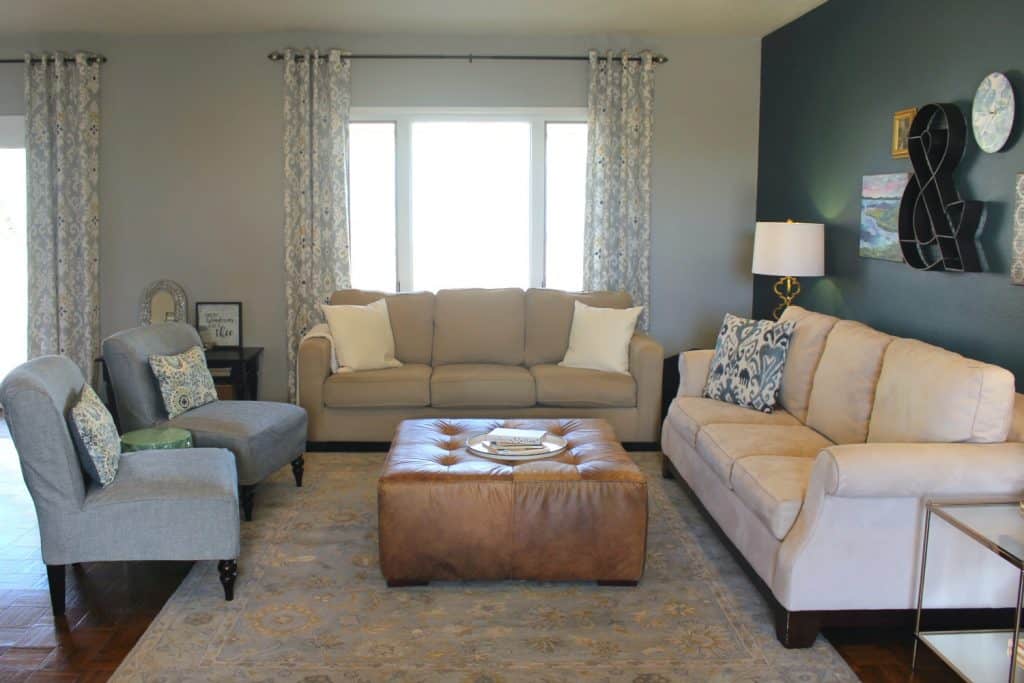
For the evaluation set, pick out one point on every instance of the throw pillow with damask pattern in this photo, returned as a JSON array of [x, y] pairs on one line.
[[750, 356]]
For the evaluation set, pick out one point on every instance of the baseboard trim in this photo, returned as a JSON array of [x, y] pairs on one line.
[[347, 446], [383, 446]]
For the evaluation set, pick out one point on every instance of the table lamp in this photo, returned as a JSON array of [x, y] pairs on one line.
[[788, 250]]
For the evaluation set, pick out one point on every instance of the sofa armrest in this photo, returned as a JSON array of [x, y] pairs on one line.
[[694, 367], [314, 366], [871, 497], [646, 364], [920, 470]]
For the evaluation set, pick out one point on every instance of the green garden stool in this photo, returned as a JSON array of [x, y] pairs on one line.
[[155, 438]]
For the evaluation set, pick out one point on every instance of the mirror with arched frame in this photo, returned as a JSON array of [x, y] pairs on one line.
[[163, 301]]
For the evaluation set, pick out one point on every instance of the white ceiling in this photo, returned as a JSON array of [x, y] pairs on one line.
[[492, 17]]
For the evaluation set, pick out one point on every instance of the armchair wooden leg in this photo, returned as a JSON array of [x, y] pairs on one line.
[[298, 467], [228, 570], [55, 577], [246, 494]]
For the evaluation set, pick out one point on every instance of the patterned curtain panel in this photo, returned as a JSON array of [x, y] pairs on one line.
[[62, 138], [620, 122], [317, 99]]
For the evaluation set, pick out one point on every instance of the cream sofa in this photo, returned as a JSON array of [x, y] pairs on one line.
[[479, 353], [824, 497]]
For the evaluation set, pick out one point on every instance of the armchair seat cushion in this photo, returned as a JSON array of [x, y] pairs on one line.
[[407, 386], [582, 388], [473, 385], [263, 435], [166, 504], [688, 414], [722, 446], [773, 487]]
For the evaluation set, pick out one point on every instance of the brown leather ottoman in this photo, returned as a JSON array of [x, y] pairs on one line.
[[447, 514]]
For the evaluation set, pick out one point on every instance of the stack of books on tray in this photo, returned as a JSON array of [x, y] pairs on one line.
[[505, 441]]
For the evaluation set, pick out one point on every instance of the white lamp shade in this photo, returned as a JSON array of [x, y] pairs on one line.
[[793, 249]]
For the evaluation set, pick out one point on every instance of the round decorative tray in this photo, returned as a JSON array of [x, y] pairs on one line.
[[551, 445]]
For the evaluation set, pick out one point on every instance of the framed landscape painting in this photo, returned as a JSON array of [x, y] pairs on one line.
[[879, 215]]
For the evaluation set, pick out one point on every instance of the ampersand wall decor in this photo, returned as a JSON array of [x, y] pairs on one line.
[[938, 229]]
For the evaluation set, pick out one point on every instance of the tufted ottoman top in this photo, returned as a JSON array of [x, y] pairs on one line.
[[448, 514], [435, 449]]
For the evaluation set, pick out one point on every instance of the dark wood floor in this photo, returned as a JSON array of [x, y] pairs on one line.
[[110, 605]]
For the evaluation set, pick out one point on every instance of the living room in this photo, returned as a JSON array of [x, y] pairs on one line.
[[275, 273]]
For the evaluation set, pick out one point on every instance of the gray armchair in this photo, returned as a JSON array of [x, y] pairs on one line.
[[162, 505], [263, 435]]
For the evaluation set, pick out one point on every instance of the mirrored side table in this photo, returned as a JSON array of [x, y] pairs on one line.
[[981, 655]]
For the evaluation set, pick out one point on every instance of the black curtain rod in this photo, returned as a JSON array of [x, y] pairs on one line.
[[277, 56], [36, 60]]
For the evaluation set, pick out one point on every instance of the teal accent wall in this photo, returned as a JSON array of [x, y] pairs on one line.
[[830, 83]]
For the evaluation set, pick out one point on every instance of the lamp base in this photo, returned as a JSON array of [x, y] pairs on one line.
[[786, 288]]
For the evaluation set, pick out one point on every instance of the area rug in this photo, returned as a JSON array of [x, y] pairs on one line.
[[311, 606]]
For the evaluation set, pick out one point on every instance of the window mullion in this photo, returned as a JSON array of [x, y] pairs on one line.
[[537, 184], [403, 204]]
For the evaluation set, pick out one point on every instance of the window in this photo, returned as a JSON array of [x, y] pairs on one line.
[[467, 198], [13, 247]]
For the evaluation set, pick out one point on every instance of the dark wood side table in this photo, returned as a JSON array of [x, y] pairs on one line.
[[244, 369]]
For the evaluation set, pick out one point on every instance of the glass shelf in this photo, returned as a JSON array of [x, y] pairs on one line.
[[997, 526], [978, 656]]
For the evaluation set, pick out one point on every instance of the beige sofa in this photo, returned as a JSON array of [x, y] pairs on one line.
[[479, 353], [825, 497]]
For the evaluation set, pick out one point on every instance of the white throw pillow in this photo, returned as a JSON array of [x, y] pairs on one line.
[[599, 339], [362, 336]]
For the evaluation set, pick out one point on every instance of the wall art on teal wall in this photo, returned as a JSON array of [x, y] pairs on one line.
[[879, 215], [1017, 270]]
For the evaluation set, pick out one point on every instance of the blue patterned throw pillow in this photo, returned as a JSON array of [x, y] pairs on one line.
[[185, 381], [750, 356], [95, 437]]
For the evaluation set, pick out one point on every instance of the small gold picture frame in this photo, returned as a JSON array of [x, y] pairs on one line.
[[901, 121]]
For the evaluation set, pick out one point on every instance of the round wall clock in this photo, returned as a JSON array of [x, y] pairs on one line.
[[993, 112]]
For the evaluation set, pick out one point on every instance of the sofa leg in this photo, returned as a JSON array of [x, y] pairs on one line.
[[55, 577], [228, 570], [619, 583], [796, 629], [246, 494], [666, 468], [298, 467]]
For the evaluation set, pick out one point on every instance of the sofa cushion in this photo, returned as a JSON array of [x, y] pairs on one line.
[[479, 326], [749, 359], [549, 320], [721, 446], [928, 394], [773, 487], [412, 320], [600, 338], [477, 385], [810, 330], [844, 385], [263, 435], [407, 386], [362, 335], [688, 414], [95, 437], [185, 381], [580, 388]]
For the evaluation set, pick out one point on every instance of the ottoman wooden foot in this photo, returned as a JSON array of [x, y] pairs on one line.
[[618, 583], [404, 583]]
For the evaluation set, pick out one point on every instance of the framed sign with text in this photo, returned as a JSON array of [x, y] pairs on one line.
[[220, 322]]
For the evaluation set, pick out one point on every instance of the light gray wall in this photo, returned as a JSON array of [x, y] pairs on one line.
[[191, 161]]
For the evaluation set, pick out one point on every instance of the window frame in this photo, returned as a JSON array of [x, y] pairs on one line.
[[404, 117]]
